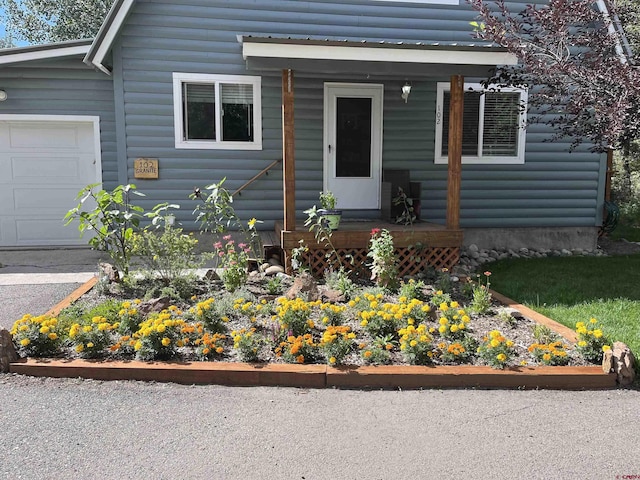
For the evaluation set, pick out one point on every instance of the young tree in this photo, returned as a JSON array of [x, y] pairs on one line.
[[572, 53], [46, 21]]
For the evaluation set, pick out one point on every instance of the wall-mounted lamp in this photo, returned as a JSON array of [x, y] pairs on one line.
[[406, 90], [3, 95]]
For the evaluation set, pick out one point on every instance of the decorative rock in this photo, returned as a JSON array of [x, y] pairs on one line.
[[623, 364], [8, 352], [473, 248], [333, 296], [212, 275], [110, 272], [153, 305], [264, 266], [304, 284], [273, 270]]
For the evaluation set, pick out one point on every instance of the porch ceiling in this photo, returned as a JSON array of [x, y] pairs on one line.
[[369, 58]]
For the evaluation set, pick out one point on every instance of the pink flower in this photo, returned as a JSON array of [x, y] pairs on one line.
[[247, 251], [487, 273], [227, 237], [242, 245], [221, 254], [217, 245], [375, 231]]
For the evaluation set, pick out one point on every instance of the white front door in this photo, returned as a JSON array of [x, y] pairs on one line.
[[353, 143]]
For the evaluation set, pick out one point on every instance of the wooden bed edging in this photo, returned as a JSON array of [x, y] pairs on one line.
[[322, 376]]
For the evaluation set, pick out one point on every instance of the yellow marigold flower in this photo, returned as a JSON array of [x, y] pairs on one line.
[[24, 342], [454, 328], [509, 343], [501, 357], [332, 360], [442, 329], [443, 321], [90, 345], [364, 323], [593, 320], [87, 328], [80, 348], [454, 304], [597, 333], [444, 307], [23, 328], [53, 336], [413, 343], [546, 357], [161, 328], [166, 341], [582, 343], [606, 348], [44, 329], [494, 343]]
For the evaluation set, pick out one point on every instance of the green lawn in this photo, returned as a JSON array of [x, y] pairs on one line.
[[628, 232], [573, 289]]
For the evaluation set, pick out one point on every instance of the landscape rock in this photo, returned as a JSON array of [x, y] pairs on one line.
[[109, 272], [274, 270], [623, 364], [8, 352], [333, 296], [212, 275], [154, 305], [306, 286], [274, 261]]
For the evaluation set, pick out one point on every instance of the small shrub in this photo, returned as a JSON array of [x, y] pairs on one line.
[[204, 312], [453, 321], [591, 341], [274, 285], [90, 339], [336, 343], [234, 261], [415, 344], [38, 336], [443, 281], [210, 346], [166, 255], [457, 351], [332, 314], [339, 280], [376, 354], [481, 297], [553, 353], [247, 343], [496, 350], [129, 318], [413, 289], [158, 336], [384, 270], [439, 297], [298, 349], [294, 316]]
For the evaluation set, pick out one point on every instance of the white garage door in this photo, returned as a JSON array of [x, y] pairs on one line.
[[44, 162]]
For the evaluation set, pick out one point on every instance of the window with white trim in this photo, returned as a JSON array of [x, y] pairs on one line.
[[217, 111], [492, 125]]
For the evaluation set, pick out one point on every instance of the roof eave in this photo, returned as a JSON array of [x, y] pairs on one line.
[[107, 34]]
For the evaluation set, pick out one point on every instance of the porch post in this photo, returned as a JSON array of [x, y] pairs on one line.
[[454, 171], [288, 157]]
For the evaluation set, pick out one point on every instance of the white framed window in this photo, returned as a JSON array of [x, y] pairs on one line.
[[493, 124], [217, 111]]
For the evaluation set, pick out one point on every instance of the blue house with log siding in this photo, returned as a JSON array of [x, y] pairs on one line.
[[345, 96]]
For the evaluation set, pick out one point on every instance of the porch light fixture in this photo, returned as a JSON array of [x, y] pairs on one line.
[[406, 90], [3, 95]]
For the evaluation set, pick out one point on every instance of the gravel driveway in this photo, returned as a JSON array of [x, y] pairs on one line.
[[80, 429]]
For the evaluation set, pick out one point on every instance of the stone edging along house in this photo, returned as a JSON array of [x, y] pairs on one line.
[[340, 93]]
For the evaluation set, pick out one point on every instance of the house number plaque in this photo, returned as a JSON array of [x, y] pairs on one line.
[[145, 168]]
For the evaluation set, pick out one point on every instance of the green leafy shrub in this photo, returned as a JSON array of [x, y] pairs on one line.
[[592, 342], [38, 336]]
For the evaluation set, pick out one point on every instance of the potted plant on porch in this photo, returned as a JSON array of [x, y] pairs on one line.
[[328, 210]]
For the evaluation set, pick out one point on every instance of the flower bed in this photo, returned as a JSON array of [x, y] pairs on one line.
[[417, 326]]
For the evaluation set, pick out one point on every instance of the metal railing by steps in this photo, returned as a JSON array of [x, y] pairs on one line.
[[264, 171]]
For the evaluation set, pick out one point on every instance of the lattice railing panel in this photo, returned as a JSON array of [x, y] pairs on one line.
[[410, 261]]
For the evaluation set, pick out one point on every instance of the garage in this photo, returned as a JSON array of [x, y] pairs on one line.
[[44, 161]]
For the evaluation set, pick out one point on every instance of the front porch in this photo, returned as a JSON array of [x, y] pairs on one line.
[[418, 246]]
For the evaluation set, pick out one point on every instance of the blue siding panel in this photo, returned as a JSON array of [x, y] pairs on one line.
[[553, 187]]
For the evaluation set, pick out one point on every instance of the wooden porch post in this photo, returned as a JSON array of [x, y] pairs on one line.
[[288, 157], [454, 172]]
